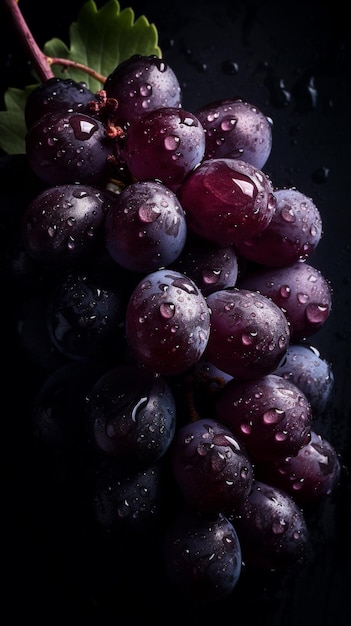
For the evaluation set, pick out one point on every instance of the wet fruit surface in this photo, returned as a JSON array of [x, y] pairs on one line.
[[299, 77]]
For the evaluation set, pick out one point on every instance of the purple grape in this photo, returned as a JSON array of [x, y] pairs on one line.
[[236, 129], [132, 415], [300, 290], [85, 313], [141, 84], [164, 144], [292, 234], [308, 476], [145, 228], [271, 527], [202, 556], [64, 223], [211, 467], [167, 322], [69, 147], [303, 365], [269, 415], [57, 94], [227, 200], [209, 265], [128, 502], [249, 333]]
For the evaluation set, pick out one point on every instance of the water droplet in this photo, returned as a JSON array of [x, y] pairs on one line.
[[171, 142], [167, 310], [273, 416], [317, 313]]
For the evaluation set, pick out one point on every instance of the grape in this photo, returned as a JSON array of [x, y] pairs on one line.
[[63, 223], [202, 556], [57, 94], [301, 290], [145, 228], [236, 129], [227, 200], [58, 408], [269, 415], [141, 84], [85, 311], [249, 333], [211, 467], [209, 265], [132, 415], [165, 144], [68, 148], [126, 502], [309, 475], [167, 322], [292, 235], [271, 528], [303, 365]]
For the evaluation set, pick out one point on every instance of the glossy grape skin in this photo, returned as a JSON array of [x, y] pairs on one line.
[[301, 290], [236, 129], [132, 414], [64, 223], [227, 200], [141, 84], [211, 467], [164, 144], [145, 227], [249, 333], [269, 415], [84, 315], [127, 502], [309, 475], [271, 527], [304, 366], [293, 233], [68, 148], [57, 94], [209, 265], [167, 322], [202, 556]]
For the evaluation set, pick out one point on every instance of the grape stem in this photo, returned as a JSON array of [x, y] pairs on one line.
[[41, 62]]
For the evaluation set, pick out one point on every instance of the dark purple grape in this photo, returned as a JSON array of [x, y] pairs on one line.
[[308, 476], [126, 502], [249, 333], [85, 314], [211, 467], [227, 200], [236, 129], [303, 365], [300, 290], [64, 223], [202, 556], [59, 405], [145, 227], [164, 144], [271, 527], [167, 322], [57, 94], [209, 265], [269, 415], [141, 84], [132, 414], [69, 147], [292, 234]]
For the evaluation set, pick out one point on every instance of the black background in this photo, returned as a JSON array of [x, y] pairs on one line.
[[292, 61]]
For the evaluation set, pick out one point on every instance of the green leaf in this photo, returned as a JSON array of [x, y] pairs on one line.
[[100, 39], [12, 122]]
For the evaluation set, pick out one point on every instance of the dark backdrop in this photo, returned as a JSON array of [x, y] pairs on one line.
[[293, 61]]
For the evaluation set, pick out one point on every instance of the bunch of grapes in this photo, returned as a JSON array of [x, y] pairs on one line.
[[175, 301]]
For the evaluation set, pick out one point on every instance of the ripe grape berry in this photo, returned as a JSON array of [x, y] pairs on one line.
[[171, 295]]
